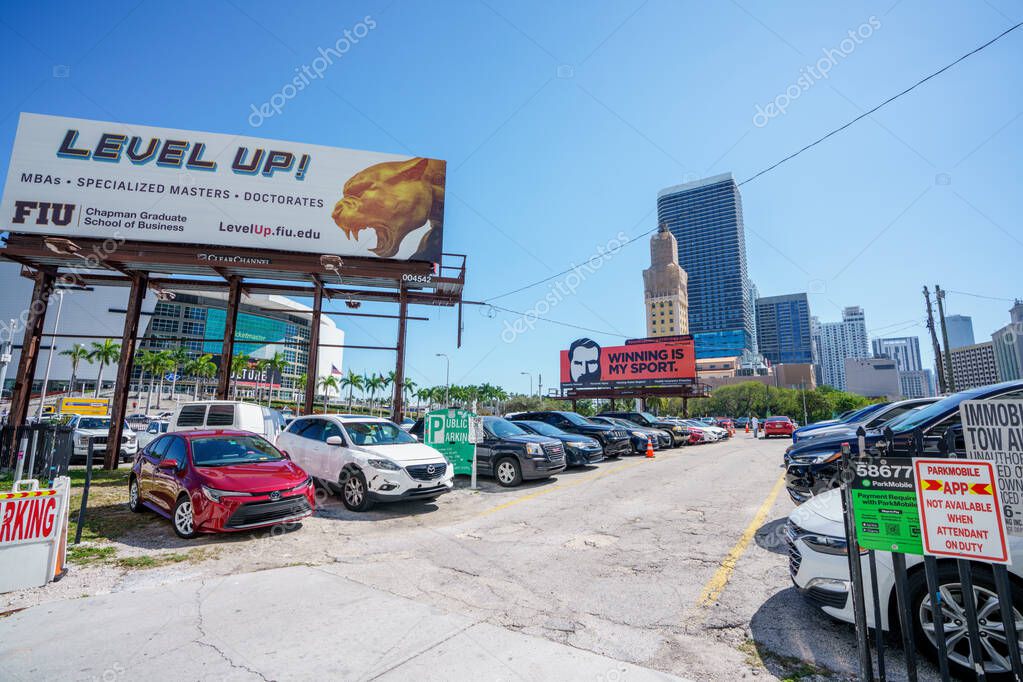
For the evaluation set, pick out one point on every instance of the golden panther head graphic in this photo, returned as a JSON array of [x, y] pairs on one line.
[[394, 199]]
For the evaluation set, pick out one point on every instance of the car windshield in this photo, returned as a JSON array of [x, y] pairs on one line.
[[542, 428], [892, 415], [378, 433], [618, 421], [861, 414], [649, 417], [575, 418], [94, 423], [502, 428], [911, 420], [219, 451]]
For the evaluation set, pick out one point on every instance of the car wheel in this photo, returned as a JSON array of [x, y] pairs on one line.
[[183, 518], [993, 641], [135, 496], [508, 472], [354, 491]]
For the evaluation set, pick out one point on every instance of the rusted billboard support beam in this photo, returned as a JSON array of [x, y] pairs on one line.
[[234, 299], [36, 317], [397, 403], [119, 404], [313, 356]]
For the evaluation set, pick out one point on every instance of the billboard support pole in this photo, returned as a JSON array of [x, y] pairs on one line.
[[313, 356], [399, 365], [234, 298], [21, 393], [122, 384]]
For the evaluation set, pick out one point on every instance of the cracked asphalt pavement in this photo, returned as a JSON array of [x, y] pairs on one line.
[[634, 568]]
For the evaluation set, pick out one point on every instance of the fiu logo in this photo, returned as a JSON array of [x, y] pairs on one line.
[[46, 213]]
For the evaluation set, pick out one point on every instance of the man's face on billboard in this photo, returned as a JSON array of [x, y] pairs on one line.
[[584, 365]]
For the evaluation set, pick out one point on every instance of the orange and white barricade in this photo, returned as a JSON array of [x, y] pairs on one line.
[[33, 533]]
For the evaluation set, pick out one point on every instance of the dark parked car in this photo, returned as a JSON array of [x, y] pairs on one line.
[[812, 466], [846, 418], [638, 435], [614, 440], [876, 419], [512, 455], [579, 450], [679, 433]]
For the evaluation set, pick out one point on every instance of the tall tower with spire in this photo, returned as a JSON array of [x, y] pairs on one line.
[[664, 287]]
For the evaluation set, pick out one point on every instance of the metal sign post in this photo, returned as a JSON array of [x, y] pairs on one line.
[[475, 436], [855, 575]]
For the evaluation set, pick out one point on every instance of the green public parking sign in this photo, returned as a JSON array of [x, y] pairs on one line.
[[884, 505], [448, 431]]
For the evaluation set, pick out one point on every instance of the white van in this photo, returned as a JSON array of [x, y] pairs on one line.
[[228, 414]]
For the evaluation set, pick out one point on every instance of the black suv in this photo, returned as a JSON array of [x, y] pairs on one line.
[[512, 455], [613, 440], [679, 433]]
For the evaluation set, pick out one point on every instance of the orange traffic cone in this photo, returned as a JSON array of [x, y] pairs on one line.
[[649, 449], [747, 426]]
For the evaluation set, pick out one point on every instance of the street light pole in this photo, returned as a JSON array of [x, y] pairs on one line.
[[49, 355], [447, 378], [530, 382]]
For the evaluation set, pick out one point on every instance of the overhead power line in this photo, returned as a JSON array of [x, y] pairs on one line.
[[882, 104], [546, 319], [990, 298]]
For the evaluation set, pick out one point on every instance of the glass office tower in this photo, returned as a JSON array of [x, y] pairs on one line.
[[706, 219]]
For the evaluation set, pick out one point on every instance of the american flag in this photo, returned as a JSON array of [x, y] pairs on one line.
[[335, 371]]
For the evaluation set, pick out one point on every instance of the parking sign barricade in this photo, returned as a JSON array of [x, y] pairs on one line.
[[33, 533]]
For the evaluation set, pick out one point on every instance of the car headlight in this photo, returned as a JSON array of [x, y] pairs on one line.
[[534, 449], [578, 444], [83, 440], [215, 495], [828, 544], [383, 464], [676, 427], [826, 457], [639, 434]]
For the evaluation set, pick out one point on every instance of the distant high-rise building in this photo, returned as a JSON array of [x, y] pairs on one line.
[[974, 366], [783, 329], [872, 377], [838, 341], [754, 294], [916, 383], [904, 350], [706, 218], [960, 330], [664, 288], [1008, 346]]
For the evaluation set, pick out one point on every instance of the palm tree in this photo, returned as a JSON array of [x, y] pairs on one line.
[[145, 362], [180, 357], [77, 353], [163, 362], [275, 365], [425, 393], [300, 384], [410, 390], [260, 366], [330, 382], [438, 394], [372, 384], [239, 363], [105, 353], [351, 381], [201, 368]]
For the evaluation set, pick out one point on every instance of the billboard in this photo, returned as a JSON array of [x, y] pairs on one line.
[[652, 362], [71, 177]]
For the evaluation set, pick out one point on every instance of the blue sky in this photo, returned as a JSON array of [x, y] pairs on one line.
[[561, 121]]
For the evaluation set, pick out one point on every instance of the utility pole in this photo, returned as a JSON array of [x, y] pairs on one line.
[[949, 377], [938, 362]]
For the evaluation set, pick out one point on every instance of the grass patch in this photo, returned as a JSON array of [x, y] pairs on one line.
[[786, 668], [85, 555]]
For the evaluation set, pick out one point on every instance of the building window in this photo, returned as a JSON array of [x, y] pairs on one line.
[[161, 325], [193, 328], [195, 313]]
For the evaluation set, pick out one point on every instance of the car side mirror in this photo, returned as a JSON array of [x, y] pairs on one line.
[[335, 440], [168, 463]]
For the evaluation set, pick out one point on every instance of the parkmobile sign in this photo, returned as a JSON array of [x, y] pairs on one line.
[[72, 177]]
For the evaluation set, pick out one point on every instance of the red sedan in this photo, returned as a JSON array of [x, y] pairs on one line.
[[778, 426], [219, 480]]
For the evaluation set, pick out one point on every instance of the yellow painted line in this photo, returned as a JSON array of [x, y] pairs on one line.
[[558, 486], [716, 585]]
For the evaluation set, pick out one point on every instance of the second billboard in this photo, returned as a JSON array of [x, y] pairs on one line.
[[648, 362]]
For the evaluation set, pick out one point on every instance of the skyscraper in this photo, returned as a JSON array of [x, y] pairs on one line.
[[904, 350], [1008, 345], [783, 328], [664, 288], [974, 366], [960, 330], [836, 341], [706, 218]]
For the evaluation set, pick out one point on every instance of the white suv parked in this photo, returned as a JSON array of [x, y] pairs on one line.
[[367, 459]]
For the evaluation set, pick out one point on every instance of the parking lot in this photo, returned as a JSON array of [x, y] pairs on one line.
[[675, 564]]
